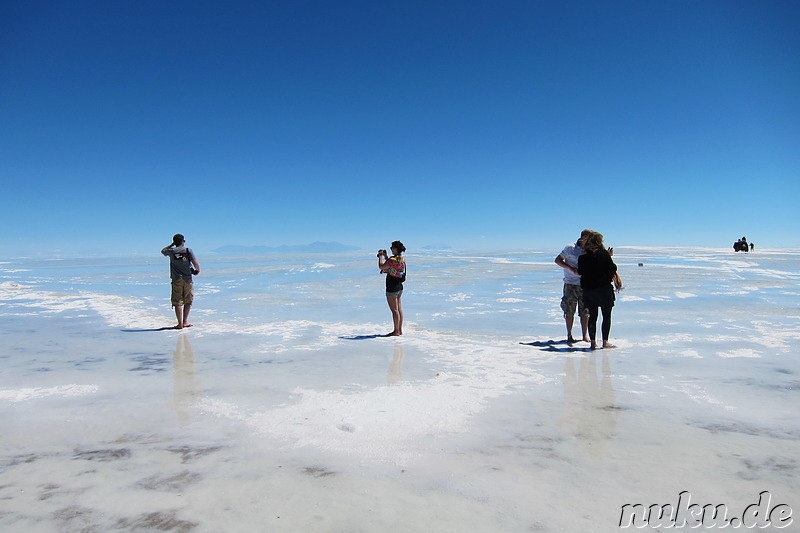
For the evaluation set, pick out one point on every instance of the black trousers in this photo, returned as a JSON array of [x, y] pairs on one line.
[[601, 298]]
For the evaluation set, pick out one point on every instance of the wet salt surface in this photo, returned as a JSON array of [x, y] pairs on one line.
[[280, 411]]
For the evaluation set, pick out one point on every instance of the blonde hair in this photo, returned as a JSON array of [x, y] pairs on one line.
[[593, 241]]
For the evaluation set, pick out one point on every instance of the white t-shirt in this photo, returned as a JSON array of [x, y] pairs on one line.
[[570, 255]]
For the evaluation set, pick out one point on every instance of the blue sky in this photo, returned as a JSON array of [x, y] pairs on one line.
[[471, 124]]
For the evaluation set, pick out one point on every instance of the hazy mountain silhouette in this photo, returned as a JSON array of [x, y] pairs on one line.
[[314, 247]]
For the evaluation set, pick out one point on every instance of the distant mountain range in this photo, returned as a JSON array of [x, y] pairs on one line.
[[314, 247]]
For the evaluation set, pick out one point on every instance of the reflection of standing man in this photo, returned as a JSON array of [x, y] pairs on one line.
[[573, 294], [186, 388], [182, 264]]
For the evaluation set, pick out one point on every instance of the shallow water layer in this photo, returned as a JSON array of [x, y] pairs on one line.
[[283, 410]]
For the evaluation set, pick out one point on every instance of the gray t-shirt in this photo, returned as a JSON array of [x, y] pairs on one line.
[[180, 258]]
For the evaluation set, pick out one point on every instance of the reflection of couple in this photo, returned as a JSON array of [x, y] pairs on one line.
[[590, 412], [186, 386]]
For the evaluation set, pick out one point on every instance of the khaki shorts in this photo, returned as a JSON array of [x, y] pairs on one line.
[[573, 297], [182, 292]]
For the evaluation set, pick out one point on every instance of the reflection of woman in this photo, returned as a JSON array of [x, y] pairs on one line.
[[591, 413], [395, 269], [597, 271]]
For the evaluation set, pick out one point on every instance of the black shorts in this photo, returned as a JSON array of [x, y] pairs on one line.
[[393, 284], [599, 297]]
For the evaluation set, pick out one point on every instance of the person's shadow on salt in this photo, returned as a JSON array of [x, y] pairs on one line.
[[553, 346], [144, 330], [360, 337]]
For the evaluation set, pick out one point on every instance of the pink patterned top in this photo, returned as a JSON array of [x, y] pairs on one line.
[[396, 266]]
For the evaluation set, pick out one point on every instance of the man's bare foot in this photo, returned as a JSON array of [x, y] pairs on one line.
[[393, 334], [593, 346], [179, 326], [608, 345], [570, 340], [187, 325], [587, 339]]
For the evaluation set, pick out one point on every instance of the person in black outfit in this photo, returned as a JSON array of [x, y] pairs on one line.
[[597, 271]]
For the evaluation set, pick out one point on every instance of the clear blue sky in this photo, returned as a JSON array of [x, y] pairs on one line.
[[477, 124]]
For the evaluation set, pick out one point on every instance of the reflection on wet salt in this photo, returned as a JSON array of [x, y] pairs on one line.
[[590, 410], [395, 374], [305, 420], [186, 388]]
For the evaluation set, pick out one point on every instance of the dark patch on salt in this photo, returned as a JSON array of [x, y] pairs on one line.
[[174, 482], [153, 363], [769, 468], [318, 471], [49, 490], [78, 519], [158, 521], [110, 454], [22, 459], [748, 430], [189, 453], [89, 360]]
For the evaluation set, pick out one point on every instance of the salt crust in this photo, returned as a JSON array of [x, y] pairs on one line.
[[383, 422], [34, 393]]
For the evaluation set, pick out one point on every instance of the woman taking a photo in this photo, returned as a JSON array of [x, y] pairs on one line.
[[597, 271], [395, 269]]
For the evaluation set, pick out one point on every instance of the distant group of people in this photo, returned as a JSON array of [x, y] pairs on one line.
[[590, 279], [742, 246]]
